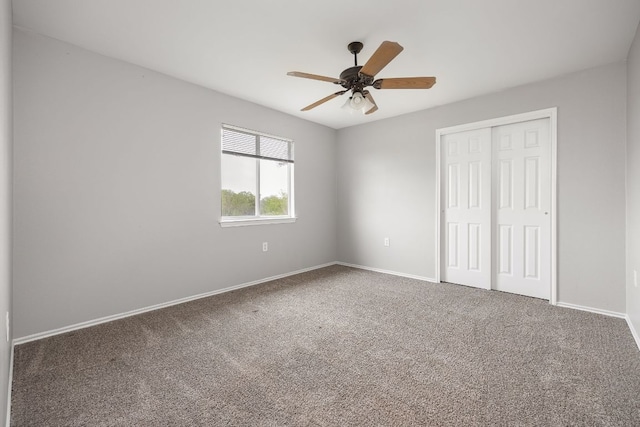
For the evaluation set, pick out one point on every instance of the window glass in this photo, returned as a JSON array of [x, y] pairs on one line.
[[238, 186], [274, 188]]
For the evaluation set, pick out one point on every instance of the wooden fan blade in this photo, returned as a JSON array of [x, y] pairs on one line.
[[381, 57], [405, 83], [370, 98], [313, 76], [323, 100]]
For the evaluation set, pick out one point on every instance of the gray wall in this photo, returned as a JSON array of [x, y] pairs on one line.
[[386, 172], [633, 180], [5, 196], [117, 186]]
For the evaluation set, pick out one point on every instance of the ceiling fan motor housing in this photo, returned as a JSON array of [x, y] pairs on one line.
[[351, 79], [350, 76]]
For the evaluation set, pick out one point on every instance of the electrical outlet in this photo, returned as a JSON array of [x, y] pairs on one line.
[[386, 241], [635, 278], [7, 323], [265, 246]]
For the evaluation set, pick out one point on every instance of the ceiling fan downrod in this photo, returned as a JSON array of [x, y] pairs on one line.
[[355, 48]]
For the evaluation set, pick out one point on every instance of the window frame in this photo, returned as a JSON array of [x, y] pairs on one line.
[[257, 218]]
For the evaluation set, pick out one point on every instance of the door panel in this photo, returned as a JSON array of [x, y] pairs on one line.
[[452, 245], [522, 183], [531, 252], [453, 185], [505, 183], [475, 251], [505, 249], [467, 208]]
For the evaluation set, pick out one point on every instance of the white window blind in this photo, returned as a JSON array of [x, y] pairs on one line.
[[246, 143]]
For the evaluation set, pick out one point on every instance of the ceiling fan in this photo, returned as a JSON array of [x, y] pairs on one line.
[[359, 77]]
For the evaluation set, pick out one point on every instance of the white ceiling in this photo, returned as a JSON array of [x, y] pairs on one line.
[[244, 48]]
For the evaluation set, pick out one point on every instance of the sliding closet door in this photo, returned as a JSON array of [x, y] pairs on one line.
[[466, 203], [522, 205]]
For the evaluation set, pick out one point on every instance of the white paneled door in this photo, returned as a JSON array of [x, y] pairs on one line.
[[466, 202], [496, 203], [522, 205]]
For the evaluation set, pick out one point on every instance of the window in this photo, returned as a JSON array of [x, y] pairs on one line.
[[257, 178]]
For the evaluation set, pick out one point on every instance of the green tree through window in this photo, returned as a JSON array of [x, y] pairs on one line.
[[238, 204], [275, 205]]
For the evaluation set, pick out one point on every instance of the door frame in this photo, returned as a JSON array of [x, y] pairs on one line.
[[552, 115]]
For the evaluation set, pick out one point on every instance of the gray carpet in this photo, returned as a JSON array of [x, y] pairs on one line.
[[337, 346]]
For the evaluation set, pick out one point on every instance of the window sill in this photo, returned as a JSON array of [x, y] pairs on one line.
[[255, 221]]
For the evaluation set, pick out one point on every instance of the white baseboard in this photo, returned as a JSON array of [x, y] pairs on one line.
[[394, 273], [635, 334], [113, 317], [592, 310], [9, 386]]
